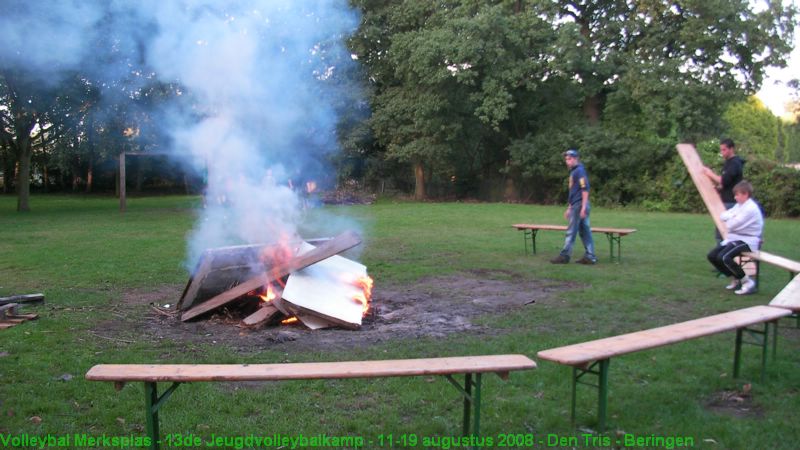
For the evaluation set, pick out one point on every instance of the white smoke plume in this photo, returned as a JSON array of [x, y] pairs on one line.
[[261, 118], [257, 67]]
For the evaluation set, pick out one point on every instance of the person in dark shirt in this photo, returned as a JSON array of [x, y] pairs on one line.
[[577, 212], [732, 174]]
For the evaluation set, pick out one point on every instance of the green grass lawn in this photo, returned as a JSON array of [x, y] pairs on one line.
[[85, 257]]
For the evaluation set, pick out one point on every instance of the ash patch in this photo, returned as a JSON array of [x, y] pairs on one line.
[[430, 307], [738, 404]]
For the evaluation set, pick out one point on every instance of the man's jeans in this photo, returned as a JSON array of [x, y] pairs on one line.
[[579, 226]]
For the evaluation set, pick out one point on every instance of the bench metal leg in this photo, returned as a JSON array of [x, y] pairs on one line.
[[151, 413], [525, 241], [532, 235], [743, 262], [759, 338], [602, 389], [602, 404], [152, 403], [796, 317], [612, 239], [471, 423]]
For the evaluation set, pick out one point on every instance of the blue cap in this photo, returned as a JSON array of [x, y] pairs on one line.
[[573, 153]]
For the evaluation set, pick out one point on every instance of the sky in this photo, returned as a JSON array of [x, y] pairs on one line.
[[774, 92]]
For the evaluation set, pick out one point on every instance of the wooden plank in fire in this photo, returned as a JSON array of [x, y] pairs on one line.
[[262, 316], [704, 185], [344, 241], [327, 290], [219, 269]]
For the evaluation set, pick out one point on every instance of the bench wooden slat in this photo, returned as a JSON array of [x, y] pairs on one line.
[[585, 352], [789, 296], [619, 231], [534, 226], [305, 371]]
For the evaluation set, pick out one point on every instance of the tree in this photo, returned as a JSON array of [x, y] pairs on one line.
[[755, 129], [451, 76], [680, 62]]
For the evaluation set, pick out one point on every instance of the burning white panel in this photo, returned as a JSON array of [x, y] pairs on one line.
[[328, 289]]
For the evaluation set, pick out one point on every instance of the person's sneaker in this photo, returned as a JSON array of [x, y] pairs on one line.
[[734, 284], [586, 261], [560, 259], [748, 287]]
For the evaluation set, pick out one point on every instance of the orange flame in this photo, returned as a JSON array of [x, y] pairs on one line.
[[274, 256], [269, 295], [364, 297], [289, 320]]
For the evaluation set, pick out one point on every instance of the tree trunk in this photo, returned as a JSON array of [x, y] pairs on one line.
[[419, 181], [24, 155], [24, 176], [510, 191], [591, 109], [89, 175], [45, 178]]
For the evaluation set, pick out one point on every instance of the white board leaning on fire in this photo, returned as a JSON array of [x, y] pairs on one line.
[[331, 289]]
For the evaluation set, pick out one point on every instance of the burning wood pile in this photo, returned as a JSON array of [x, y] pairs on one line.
[[305, 281]]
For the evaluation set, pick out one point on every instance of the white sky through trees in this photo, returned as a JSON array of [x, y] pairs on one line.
[[774, 92]]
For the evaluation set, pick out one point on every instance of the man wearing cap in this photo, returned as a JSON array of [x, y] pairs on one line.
[[577, 213]]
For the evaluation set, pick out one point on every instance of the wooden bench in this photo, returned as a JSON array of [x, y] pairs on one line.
[[471, 366], [789, 298], [593, 357], [614, 235]]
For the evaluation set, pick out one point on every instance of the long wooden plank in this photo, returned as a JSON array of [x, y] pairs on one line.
[[26, 298], [306, 371], [580, 354], [789, 296], [704, 185], [775, 260], [344, 241]]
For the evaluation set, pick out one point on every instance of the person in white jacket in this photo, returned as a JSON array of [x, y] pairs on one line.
[[745, 225]]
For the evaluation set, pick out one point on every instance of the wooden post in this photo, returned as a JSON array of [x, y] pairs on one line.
[[122, 182]]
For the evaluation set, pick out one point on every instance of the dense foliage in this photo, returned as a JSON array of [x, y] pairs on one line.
[[462, 99]]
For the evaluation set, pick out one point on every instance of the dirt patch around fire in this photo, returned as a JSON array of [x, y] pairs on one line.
[[431, 307]]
